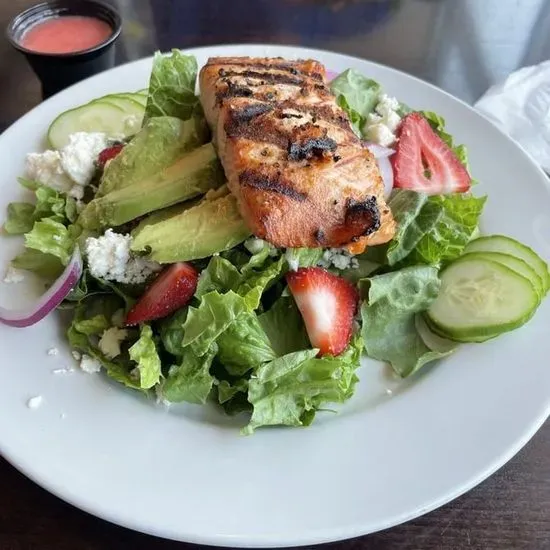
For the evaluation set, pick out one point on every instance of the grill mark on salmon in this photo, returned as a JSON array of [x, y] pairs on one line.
[[284, 66], [271, 183], [269, 78]]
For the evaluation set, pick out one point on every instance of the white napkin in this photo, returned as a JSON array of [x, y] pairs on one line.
[[521, 107]]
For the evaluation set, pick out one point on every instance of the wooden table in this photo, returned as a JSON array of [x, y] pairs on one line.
[[511, 510]]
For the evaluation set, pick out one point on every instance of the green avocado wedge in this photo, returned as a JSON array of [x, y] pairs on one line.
[[160, 143], [193, 174], [211, 226]]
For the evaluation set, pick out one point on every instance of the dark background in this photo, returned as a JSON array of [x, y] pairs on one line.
[[463, 46]]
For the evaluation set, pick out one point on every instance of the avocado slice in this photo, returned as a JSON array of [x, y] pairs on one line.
[[191, 175], [211, 226], [160, 142]]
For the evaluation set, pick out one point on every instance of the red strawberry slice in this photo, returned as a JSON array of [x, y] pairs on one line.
[[328, 304], [109, 154], [424, 162], [172, 289]]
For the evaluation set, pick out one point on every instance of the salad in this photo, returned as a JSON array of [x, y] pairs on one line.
[[139, 237]]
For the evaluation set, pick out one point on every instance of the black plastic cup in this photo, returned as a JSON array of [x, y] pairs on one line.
[[56, 71]]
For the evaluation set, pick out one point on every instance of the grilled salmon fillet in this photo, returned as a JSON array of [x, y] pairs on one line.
[[299, 172]]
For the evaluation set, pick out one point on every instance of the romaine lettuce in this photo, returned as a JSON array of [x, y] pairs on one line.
[[191, 380], [290, 390], [144, 353], [357, 95], [172, 86], [392, 302]]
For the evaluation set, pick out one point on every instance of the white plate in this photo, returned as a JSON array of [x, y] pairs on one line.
[[187, 474]]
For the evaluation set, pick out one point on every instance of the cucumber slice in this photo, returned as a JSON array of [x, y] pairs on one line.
[[128, 105], [116, 120], [471, 340], [481, 298], [143, 91], [138, 98], [514, 263], [507, 245]]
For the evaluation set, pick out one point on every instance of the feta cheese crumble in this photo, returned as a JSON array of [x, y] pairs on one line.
[[89, 364], [255, 246], [53, 351], [46, 169], [110, 341], [63, 371], [70, 169], [13, 276], [293, 263], [78, 158], [35, 402], [109, 258], [380, 126], [77, 356], [340, 258]]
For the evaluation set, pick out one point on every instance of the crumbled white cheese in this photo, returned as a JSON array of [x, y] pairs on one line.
[[76, 355], [53, 351], [78, 158], [70, 169], [66, 370], [13, 276], [46, 169], [255, 246], [35, 402], [89, 364], [340, 258], [109, 258], [389, 392], [380, 126], [110, 341], [291, 259]]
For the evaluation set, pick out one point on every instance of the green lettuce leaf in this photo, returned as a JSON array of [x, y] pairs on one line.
[[172, 86], [144, 353], [51, 237], [191, 380], [244, 346], [389, 317], [220, 275], [20, 218], [228, 390], [44, 265], [456, 226], [303, 257], [284, 327], [171, 332], [415, 215], [90, 318], [357, 95], [253, 286], [291, 389], [48, 204], [215, 314]]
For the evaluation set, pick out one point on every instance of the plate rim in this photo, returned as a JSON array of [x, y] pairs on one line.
[[332, 534]]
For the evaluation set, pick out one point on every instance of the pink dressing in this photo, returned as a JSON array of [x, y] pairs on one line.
[[66, 34]]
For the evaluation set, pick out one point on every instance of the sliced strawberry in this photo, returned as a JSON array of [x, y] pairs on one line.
[[109, 154], [172, 289], [328, 304], [424, 162]]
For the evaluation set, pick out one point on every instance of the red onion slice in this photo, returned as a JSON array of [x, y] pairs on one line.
[[382, 155], [30, 315], [386, 171], [379, 151]]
